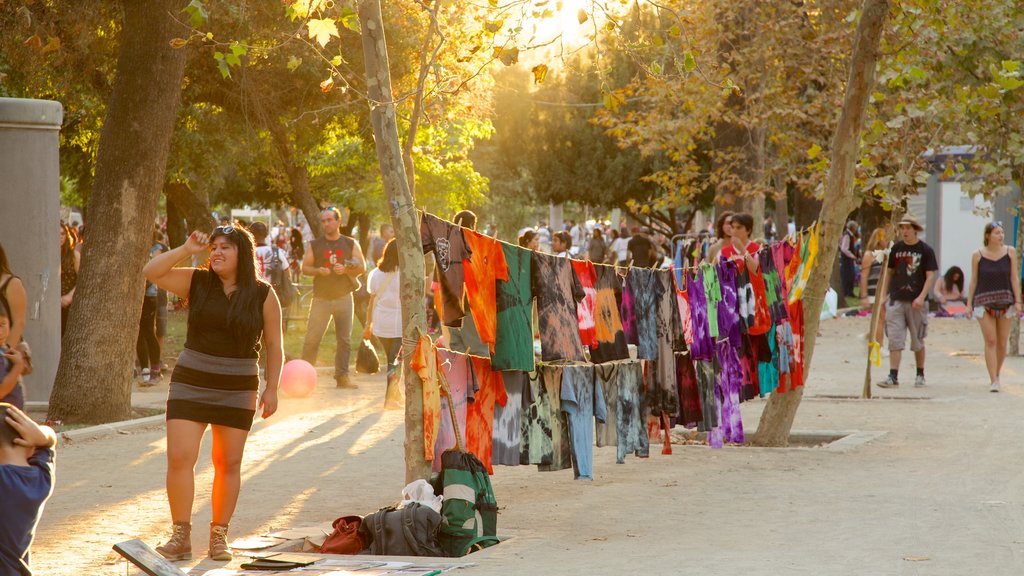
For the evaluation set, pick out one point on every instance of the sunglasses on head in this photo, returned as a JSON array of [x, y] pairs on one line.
[[225, 230]]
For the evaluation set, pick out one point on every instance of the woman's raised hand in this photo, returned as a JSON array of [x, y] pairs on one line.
[[197, 242]]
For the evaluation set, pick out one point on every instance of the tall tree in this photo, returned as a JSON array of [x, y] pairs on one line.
[[384, 118], [94, 377], [840, 199]]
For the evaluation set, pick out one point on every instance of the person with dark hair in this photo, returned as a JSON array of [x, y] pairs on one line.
[[466, 219], [335, 262], [848, 258], [620, 248], [561, 243], [994, 297], [70, 260], [641, 249], [529, 239], [147, 347], [14, 299], [216, 380], [384, 318], [387, 232], [912, 268], [26, 483], [296, 253], [740, 247], [950, 288], [597, 247], [723, 235]]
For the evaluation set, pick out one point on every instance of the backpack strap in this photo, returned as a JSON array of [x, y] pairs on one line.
[[409, 530], [379, 536], [492, 540]]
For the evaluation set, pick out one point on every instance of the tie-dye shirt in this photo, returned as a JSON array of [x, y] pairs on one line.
[[609, 335], [558, 290], [480, 412]]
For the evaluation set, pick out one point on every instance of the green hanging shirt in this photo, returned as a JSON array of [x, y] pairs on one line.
[[513, 346]]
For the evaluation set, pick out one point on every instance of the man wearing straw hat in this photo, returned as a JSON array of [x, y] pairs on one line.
[[912, 268]]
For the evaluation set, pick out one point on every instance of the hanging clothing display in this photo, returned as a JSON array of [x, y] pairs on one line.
[[561, 448], [703, 347], [536, 446], [508, 419], [482, 272], [663, 395], [728, 308], [513, 348], [490, 394], [730, 383], [558, 290], [630, 419], [689, 395], [582, 401], [607, 376], [609, 336], [462, 383], [646, 291], [447, 242], [585, 310], [424, 363], [627, 312]]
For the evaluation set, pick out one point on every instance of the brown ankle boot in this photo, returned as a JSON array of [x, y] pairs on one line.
[[219, 542], [179, 547]]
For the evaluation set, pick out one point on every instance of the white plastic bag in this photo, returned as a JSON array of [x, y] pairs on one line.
[[831, 306], [421, 492]]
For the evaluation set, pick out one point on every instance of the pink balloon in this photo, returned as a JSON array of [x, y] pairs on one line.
[[298, 378]]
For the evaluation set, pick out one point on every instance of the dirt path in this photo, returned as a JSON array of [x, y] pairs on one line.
[[940, 493]]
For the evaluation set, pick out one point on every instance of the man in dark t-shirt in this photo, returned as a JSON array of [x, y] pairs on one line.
[[641, 249], [912, 268], [335, 263]]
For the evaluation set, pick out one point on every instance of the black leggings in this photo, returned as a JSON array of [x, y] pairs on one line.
[[147, 347]]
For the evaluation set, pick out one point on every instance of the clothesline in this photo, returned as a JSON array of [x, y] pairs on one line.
[[788, 238]]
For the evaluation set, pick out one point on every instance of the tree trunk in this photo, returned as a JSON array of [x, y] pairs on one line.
[[406, 221], [94, 377], [780, 411], [177, 227], [417, 108], [296, 171], [195, 209]]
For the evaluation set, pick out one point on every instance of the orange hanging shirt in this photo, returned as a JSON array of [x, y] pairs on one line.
[[424, 362], [480, 412], [482, 271]]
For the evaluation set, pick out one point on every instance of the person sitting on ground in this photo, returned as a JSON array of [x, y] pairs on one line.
[[951, 287], [26, 483]]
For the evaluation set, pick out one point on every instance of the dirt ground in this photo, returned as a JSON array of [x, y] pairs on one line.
[[940, 493]]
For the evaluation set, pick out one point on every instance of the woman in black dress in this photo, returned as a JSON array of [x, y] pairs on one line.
[[216, 379]]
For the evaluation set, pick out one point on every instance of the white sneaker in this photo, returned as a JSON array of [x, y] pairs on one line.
[[918, 381], [145, 374], [994, 387]]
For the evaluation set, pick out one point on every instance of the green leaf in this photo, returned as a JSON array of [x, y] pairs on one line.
[[674, 31], [656, 68], [293, 63], [917, 73], [225, 72], [350, 20], [689, 62], [336, 61], [1011, 66], [813, 152], [322, 30], [197, 15], [1009, 83]]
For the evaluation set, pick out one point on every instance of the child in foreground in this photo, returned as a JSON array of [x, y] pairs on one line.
[[26, 483]]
